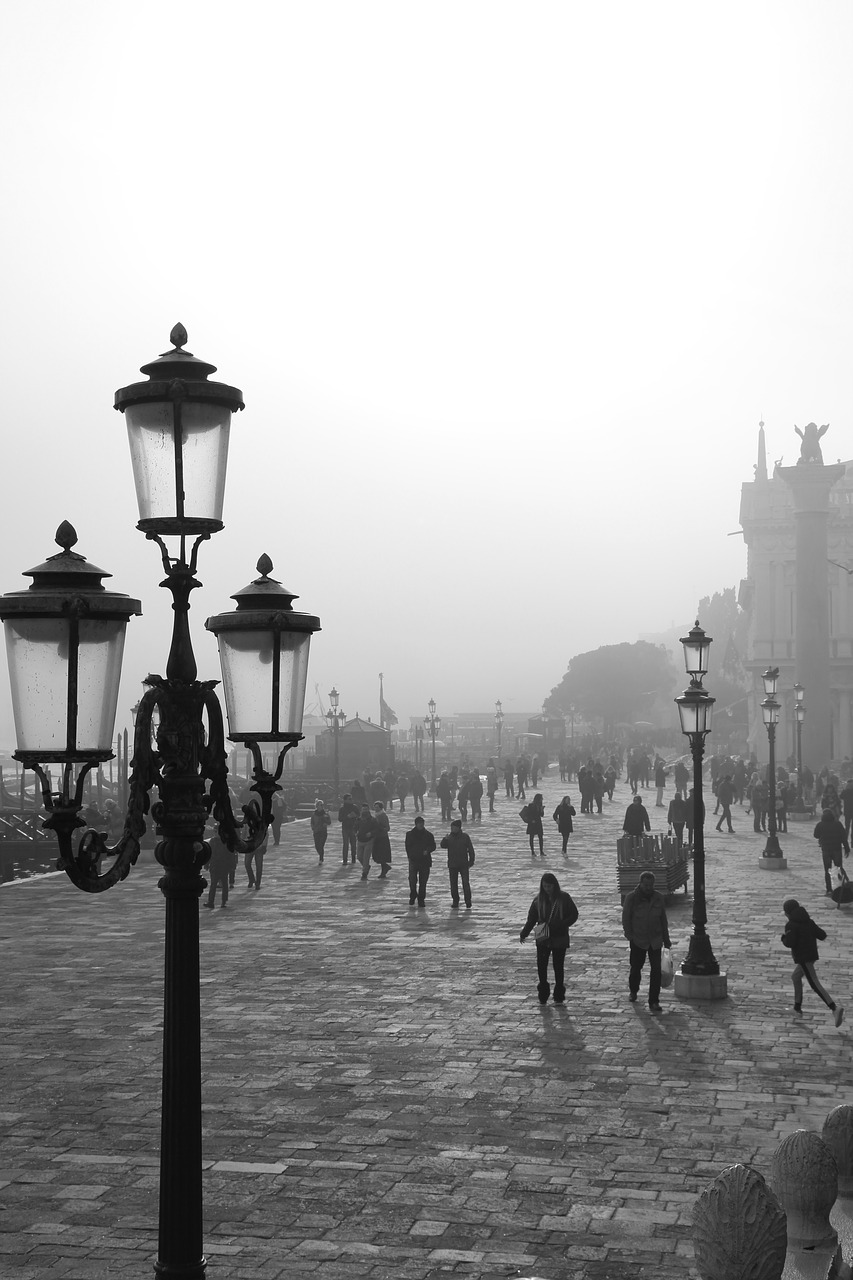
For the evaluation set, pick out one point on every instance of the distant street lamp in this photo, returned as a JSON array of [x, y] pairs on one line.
[[499, 720], [695, 706], [336, 720], [419, 746], [432, 724], [572, 714], [64, 642], [770, 714], [800, 713]]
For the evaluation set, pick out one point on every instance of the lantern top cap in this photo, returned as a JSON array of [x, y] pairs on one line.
[[66, 567], [696, 635], [177, 363], [178, 373], [65, 578], [264, 591]]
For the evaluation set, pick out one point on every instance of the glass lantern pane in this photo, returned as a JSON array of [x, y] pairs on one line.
[[247, 680], [204, 446], [98, 676], [37, 653]]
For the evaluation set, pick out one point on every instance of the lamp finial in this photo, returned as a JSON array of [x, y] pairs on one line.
[[178, 336], [66, 536]]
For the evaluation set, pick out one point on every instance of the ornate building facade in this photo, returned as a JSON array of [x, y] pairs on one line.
[[780, 529]]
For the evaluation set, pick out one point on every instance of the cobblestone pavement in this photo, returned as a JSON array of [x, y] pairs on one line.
[[384, 1096]]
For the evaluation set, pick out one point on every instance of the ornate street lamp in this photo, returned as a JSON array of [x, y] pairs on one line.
[[770, 709], [800, 715], [336, 720], [64, 638], [499, 720], [432, 724], [695, 706]]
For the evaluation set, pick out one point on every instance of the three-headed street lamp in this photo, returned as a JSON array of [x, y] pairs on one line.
[[700, 973], [336, 720], [770, 709], [499, 722], [64, 642], [432, 724]]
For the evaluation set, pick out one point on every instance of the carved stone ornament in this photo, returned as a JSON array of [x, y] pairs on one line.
[[739, 1228], [837, 1133], [804, 1176]]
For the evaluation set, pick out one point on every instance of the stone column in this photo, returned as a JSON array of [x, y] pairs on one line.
[[843, 747], [810, 483]]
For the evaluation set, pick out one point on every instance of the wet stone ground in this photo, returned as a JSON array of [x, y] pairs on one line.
[[384, 1096]]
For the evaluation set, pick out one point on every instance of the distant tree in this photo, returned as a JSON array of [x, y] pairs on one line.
[[617, 683]]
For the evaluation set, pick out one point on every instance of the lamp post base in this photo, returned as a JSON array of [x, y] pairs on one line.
[[700, 986], [767, 863]]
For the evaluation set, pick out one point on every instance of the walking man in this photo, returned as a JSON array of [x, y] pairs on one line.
[[725, 796], [420, 845], [645, 926], [460, 859], [832, 838]]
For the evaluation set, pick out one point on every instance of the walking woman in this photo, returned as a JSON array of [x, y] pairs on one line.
[[563, 815], [535, 830], [321, 820], [382, 839], [552, 913]]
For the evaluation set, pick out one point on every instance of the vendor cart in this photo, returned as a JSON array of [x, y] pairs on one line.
[[658, 854]]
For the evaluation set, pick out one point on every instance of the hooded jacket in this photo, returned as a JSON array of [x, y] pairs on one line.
[[831, 836], [802, 935]]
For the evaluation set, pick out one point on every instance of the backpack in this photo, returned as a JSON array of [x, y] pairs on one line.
[[525, 814]]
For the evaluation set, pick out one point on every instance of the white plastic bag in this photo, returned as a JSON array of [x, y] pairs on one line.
[[667, 968]]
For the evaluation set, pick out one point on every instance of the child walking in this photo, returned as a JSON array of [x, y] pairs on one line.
[[802, 935]]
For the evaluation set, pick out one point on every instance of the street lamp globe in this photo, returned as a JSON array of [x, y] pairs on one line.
[[695, 707], [800, 712], [64, 643], [334, 698], [770, 711], [697, 650], [771, 680], [263, 651], [799, 692], [178, 428]]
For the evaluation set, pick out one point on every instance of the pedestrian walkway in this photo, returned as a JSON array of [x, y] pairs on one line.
[[384, 1096]]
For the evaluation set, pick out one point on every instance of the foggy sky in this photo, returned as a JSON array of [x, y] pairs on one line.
[[507, 288]]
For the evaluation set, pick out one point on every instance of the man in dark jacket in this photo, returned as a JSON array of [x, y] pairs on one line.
[[725, 796], [645, 926], [460, 858], [420, 845], [348, 818], [636, 818], [832, 838], [676, 817]]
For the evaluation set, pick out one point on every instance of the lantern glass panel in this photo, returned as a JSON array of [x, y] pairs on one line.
[[38, 657], [801, 713], [769, 712], [205, 430], [696, 655], [247, 659], [770, 678]]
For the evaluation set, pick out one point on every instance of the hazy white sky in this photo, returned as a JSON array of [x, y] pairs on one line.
[[507, 287]]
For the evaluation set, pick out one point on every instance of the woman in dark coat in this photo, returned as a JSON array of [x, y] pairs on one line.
[[553, 908], [535, 830], [563, 815]]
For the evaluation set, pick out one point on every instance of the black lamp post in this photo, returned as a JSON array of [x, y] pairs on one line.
[[572, 714], [800, 713], [695, 706], [432, 724], [499, 722], [336, 721], [64, 639], [770, 713]]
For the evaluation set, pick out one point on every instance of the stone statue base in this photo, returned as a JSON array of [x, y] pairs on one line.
[[690, 986], [773, 864]]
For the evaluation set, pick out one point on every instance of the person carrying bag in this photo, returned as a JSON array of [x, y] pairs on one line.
[[551, 915]]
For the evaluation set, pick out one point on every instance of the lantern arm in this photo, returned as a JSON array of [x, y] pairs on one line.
[[82, 865], [257, 814], [170, 563]]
